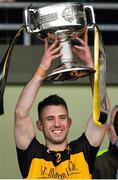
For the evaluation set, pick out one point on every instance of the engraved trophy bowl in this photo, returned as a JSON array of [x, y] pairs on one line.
[[63, 21]]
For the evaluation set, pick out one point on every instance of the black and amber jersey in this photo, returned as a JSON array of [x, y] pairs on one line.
[[75, 162]]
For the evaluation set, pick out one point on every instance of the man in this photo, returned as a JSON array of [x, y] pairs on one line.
[[106, 165], [57, 159]]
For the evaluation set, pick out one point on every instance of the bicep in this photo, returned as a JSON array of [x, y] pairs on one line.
[[95, 133], [23, 132]]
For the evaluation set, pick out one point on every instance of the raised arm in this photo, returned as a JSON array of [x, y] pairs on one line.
[[23, 127], [94, 132]]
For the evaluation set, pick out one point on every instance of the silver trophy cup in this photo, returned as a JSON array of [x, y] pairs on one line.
[[63, 21]]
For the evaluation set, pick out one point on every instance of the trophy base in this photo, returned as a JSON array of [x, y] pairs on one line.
[[69, 74]]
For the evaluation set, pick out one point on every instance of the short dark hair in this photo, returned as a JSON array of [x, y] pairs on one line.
[[51, 100]]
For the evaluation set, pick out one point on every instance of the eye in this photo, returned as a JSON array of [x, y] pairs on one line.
[[50, 118], [63, 117]]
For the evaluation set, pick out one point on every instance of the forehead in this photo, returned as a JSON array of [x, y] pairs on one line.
[[54, 110]]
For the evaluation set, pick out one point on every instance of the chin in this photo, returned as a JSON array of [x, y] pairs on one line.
[[58, 141]]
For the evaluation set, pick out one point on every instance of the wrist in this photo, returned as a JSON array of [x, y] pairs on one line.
[[90, 64], [41, 72]]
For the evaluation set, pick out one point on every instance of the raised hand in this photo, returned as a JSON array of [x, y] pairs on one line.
[[82, 51], [51, 52]]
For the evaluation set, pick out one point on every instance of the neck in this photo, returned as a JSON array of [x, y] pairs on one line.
[[57, 147]]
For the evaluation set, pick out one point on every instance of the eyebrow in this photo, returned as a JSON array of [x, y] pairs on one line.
[[49, 117], [65, 115]]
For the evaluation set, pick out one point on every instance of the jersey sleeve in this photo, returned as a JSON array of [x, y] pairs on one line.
[[25, 157]]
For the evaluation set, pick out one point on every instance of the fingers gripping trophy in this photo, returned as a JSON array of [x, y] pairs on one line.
[[62, 21]]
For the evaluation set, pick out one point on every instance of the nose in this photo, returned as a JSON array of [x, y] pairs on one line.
[[57, 122]]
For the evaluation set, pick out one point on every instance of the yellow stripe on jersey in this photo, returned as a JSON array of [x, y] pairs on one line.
[[74, 168]]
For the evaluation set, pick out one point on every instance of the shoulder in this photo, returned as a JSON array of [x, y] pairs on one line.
[[34, 146], [82, 144], [25, 156]]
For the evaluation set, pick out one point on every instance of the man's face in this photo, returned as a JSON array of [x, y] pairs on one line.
[[55, 124]]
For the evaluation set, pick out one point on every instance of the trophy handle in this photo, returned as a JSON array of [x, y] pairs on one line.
[[92, 15], [28, 13]]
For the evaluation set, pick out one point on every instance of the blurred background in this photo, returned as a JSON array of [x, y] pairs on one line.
[[24, 61]]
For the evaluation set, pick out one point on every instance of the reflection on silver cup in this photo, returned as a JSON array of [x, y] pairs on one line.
[[64, 21]]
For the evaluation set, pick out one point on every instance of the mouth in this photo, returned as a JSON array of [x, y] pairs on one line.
[[57, 132]]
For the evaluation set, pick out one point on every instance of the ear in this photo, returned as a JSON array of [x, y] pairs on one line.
[[39, 125], [70, 122]]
